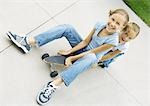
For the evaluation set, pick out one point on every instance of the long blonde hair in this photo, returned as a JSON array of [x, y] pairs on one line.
[[122, 12]]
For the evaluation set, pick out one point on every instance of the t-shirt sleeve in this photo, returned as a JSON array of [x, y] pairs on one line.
[[99, 25], [113, 40]]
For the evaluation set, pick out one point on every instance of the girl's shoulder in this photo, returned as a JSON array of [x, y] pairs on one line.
[[126, 44], [100, 25], [123, 46]]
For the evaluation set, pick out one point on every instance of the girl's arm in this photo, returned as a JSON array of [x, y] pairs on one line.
[[84, 43], [102, 48], [96, 50], [110, 55]]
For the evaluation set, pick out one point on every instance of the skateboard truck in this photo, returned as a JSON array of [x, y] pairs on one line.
[[53, 72]]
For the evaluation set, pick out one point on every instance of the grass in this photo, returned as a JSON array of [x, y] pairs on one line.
[[141, 8]]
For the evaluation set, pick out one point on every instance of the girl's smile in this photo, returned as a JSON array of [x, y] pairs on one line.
[[115, 22]]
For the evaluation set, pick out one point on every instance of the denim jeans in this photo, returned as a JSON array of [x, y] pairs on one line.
[[80, 65]]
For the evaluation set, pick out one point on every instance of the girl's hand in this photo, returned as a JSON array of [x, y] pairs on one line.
[[63, 52], [68, 61]]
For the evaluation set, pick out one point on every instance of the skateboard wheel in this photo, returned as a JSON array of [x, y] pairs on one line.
[[45, 56], [53, 74]]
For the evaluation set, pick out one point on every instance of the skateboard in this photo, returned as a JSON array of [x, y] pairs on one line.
[[52, 61]]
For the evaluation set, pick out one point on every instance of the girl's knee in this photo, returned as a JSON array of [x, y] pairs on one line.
[[69, 27], [92, 57]]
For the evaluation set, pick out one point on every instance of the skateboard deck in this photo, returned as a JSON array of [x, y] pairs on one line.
[[52, 61], [55, 59]]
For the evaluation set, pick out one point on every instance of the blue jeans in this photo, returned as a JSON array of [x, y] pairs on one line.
[[80, 65]]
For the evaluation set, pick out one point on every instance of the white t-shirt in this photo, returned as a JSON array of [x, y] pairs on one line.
[[122, 47]]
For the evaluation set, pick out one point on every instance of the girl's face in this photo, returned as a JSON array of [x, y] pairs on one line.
[[127, 36], [116, 22]]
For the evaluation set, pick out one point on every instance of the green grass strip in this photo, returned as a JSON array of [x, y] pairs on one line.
[[141, 8]]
